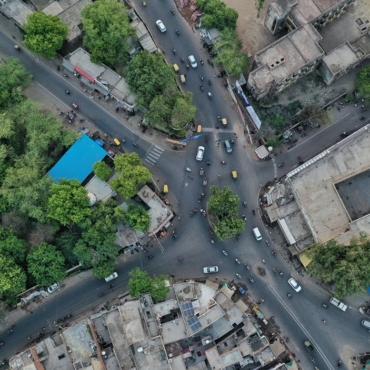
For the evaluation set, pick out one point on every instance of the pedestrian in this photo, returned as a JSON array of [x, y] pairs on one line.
[[13, 37], [214, 76], [29, 338]]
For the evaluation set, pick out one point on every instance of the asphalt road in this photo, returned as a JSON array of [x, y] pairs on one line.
[[300, 317]]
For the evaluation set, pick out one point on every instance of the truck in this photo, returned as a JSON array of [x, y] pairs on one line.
[[337, 303]]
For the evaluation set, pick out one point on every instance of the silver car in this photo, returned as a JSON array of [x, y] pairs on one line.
[[192, 61], [161, 26], [210, 269], [200, 153]]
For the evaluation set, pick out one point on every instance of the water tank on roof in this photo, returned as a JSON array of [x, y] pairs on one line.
[[92, 199]]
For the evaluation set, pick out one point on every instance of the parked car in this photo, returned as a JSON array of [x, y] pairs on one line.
[[294, 285], [111, 277], [228, 147], [210, 269], [200, 153], [192, 61], [161, 26], [52, 288]]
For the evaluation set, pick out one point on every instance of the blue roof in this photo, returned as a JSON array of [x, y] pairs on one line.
[[78, 162]]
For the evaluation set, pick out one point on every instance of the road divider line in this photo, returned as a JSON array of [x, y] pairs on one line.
[[274, 292]]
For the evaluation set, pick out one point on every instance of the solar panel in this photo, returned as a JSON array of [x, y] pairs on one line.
[[194, 323], [187, 309]]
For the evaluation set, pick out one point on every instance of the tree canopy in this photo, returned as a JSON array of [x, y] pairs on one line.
[[345, 267], [68, 202], [223, 209], [131, 173], [12, 278], [217, 14], [363, 82], [107, 31], [140, 282], [230, 54], [44, 34], [149, 76], [46, 264], [183, 111], [102, 170], [137, 217]]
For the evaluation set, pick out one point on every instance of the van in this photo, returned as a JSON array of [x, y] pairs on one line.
[[366, 324], [111, 277], [257, 234], [199, 129]]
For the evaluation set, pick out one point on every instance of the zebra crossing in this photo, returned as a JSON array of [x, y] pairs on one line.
[[152, 154]]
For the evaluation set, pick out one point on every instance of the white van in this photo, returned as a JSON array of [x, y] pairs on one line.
[[111, 277], [366, 324], [257, 234]]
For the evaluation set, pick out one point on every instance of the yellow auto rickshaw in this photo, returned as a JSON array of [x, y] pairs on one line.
[[199, 129], [116, 141], [183, 79], [176, 68], [234, 175], [165, 189], [224, 122]]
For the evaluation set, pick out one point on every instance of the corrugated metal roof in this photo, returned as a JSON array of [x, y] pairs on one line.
[[78, 162]]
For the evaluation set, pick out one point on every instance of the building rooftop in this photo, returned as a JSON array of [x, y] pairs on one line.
[[17, 10], [77, 163], [332, 191], [101, 189], [287, 55], [340, 58]]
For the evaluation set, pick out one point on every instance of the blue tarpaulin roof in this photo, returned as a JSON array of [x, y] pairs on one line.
[[78, 162]]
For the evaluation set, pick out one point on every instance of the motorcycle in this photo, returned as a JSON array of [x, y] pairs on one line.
[[237, 261], [188, 169], [174, 51], [66, 76], [209, 82], [253, 212], [273, 253], [182, 60], [225, 253], [289, 295], [245, 204], [201, 87], [173, 11], [201, 77], [244, 218], [201, 62], [67, 92], [267, 242], [281, 273], [281, 164], [101, 294], [208, 163], [223, 162], [251, 280], [247, 267], [238, 276], [340, 363], [274, 271], [325, 305], [210, 95], [177, 32], [212, 241]]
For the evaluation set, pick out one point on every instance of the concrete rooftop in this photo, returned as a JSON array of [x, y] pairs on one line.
[[315, 184]]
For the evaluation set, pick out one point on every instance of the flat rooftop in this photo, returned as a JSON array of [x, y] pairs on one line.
[[315, 187], [287, 55], [350, 26], [340, 58]]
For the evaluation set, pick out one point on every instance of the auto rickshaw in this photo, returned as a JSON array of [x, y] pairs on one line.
[[234, 175], [165, 189], [116, 141], [224, 122], [74, 105], [183, 79], [176, 68]]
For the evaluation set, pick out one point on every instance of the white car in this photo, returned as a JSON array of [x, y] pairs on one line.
[[200, 153], [53, 288], [294, 285], [192, 61], [161, 26], [111, 277], [210, 270]]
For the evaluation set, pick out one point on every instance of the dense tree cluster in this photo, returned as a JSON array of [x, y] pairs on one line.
[[49, 227], [344, 267], [363, 82], [223, 209]]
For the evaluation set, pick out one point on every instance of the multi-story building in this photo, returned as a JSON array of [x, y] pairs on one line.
[[313, 42]]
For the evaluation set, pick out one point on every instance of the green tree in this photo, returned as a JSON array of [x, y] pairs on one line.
[[140, 282], [218, 15], [349, 97], [25, 188], [183, 111], [278, 122], [107, 31], [230, 54], [137, 217], [159, 112], [68, 202], [131, 174], [66, 242], [223, 209], [46, 264], [148, 76], [12, 278], [259, 6], [12, 247], [97, 247], [363, 82], [345, 267], [104, 269], [13, 79], [45, 34], [102, 170]]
